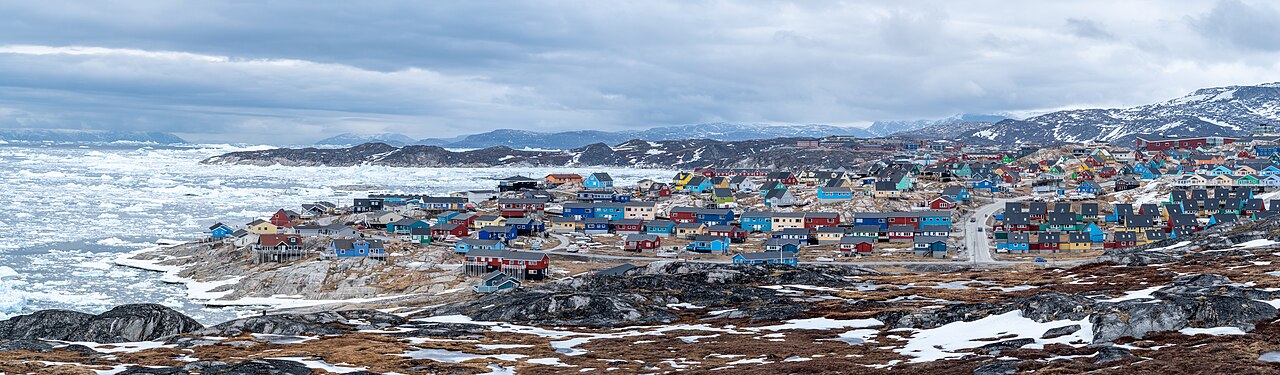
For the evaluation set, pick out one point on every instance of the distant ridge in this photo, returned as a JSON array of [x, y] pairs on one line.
[[86, 136]]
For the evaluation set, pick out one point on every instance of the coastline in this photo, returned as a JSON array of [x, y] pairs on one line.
[[236, 290]]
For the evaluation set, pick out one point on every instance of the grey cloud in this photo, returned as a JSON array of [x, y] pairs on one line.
[[1250, 25], [1087, 28], [296, 72]]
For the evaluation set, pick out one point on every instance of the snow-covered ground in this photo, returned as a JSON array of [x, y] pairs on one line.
[[73, 210]]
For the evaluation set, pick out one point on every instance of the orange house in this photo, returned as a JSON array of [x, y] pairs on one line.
[[563, 178]]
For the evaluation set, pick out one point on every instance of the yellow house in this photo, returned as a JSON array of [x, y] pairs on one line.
[[1084, 167], [488, 220], [566, 225], [690, 229], [829, 234], [261, 227], [681, 180], [1076, 242], [1222, 180], [785, 220], [893, 193], [720, 182], [639, 210]]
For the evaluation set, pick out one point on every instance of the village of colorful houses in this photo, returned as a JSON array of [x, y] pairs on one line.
[[908, 206]]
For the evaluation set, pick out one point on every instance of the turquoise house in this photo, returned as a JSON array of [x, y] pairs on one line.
[[758, 221], [598, 181]]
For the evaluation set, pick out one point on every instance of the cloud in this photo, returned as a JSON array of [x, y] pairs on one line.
[[296, 72], [1087, 28], [1243, 24]]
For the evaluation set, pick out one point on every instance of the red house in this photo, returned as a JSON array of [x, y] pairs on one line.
[[683, 214], [1121, 240], [627, 226], [1159, 143], [942, 203], [638, 242], [519, 207], [464, 219], [815, 220], [850, 245], [735, 234], [901, 233], [1084, 176], [785, 178], [906, 219], [281, 219], [518, 264], [452, 229]]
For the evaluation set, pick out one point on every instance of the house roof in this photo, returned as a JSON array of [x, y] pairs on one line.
[[767, 255], [347, 243], [640, 237]]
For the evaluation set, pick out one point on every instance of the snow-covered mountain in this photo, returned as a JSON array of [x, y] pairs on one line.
[[1230, 111], [85, 136], [886, 128], [720, 131], [348, 139]]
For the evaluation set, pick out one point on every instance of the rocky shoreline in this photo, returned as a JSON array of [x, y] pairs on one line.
[[219, 275]]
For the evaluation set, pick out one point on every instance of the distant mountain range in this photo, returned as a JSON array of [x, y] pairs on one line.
[[85, 136], [1227, 111], [720, 131], [770, 153]]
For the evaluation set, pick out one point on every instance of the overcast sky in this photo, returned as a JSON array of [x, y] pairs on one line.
[[295, 72]]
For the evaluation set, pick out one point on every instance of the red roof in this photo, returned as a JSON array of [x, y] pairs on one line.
[[272, 240]]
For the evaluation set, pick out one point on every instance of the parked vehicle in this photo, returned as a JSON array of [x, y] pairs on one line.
[[1040, 260]]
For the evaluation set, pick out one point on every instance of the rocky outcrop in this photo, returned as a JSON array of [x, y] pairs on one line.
[[256, 366], [643, 295], [1199, 301], [323, 323], [125, 323]]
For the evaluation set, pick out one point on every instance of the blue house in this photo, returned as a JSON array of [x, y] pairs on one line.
[[699, 184], [609, 211], [622, 198], [714, 216], [986, 184], [468, 244], [357, 248], [1096, 234], [1089, 187], [880, 220], [703, 243], [660, 227], [220, 230], [956, 193], [941, 218], [1266, 150], [578, 211], [499, 233], [595, 225], [779, 244], [1270, 170], [767, 257], [444, 217], [527, 225], [759, 221], [1015, 243], [596, 195], [404, 226], [930, 246], [834, 194], [495, 281], [598, 181]]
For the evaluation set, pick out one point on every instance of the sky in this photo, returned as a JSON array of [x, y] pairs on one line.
[[281, 72]]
